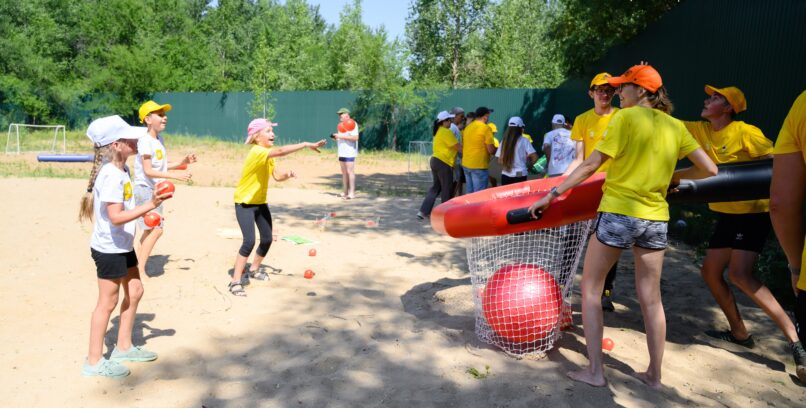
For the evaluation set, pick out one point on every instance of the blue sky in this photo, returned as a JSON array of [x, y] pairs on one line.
[[388, 13]]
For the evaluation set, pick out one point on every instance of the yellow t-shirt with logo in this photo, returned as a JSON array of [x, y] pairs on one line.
[[444, 143], [737, 142], [589, 128], [475, 138], [644, 146], [254, 182], [792, 139]]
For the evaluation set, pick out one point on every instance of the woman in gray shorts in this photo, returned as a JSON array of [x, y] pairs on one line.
[[644, 144]]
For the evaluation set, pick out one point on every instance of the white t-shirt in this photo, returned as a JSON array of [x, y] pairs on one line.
[[112, 186], [159, 160], [563, 150], [348, 148], [458, 133], [522, 150]]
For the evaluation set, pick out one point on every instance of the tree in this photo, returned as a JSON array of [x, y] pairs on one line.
[[440, 34], [585, 29], [517, 50]]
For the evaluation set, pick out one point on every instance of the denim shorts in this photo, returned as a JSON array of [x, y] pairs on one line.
[[623, 231], [142, 195]]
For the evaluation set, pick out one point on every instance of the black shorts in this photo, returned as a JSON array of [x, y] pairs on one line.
[[747, 232], [113, 266]]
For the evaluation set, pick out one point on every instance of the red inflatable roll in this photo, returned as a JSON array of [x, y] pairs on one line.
[[502, 210]]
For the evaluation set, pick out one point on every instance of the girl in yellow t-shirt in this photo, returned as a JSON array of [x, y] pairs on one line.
[[445, 148], [644, 143], [251, 207]]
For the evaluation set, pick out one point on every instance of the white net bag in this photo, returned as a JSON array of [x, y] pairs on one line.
[[522, 284]]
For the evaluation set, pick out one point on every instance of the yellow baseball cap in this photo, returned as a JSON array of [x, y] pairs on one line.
[[493, 127], [734, 95], [600, 79], [152, 106]]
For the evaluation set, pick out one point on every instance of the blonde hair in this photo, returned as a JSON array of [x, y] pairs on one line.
[[660, 100], [102, 155]]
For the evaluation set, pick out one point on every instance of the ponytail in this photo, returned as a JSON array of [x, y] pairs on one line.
[[86, 206], [660, 100]]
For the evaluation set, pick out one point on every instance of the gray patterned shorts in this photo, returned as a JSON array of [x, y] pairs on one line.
[[142, 195], [623, 231]]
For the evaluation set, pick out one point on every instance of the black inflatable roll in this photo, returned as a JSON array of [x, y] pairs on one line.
[[734, 182]]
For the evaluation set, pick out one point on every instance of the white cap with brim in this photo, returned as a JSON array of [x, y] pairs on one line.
[[558, 119], [109, 129], [444, 115], [516, 121]]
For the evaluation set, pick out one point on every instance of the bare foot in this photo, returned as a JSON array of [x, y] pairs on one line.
[[648, 380], [587, 377]]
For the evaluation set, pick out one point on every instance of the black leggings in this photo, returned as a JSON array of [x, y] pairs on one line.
[[249, 215]]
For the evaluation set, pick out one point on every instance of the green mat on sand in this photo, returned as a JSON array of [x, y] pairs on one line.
[[297, 239]]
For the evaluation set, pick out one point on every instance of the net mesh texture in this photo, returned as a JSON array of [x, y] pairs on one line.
[[522, 285]]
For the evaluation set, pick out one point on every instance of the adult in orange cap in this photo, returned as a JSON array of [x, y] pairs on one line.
[[787, 196], [742, 226], [643, 144]]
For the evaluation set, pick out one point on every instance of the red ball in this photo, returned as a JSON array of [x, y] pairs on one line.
[[349, 125], [340, 127], [309, 274], [522, 303], [312, 252], [165, 186], [608, 343], [152, 219]]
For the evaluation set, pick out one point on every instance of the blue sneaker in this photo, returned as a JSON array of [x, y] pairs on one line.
[[133, 354], [104, 368]]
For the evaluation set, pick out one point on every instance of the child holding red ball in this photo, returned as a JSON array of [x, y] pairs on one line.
[[150, 168], [251, 205], [110, 202]]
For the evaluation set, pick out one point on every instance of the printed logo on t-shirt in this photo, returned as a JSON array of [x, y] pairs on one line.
[[127, 191], [159, 154], [591, 134]]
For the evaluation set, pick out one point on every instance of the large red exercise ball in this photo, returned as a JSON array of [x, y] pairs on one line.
[[522, 303]]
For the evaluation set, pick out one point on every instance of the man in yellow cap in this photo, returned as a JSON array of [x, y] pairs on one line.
[[589, 128], [742, 226]]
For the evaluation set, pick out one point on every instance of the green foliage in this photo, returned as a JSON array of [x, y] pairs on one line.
[[583, 30]]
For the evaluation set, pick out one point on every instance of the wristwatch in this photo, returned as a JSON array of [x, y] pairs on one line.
[[554, 193]]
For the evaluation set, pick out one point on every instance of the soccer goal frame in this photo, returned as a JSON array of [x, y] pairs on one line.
[[14, 129]]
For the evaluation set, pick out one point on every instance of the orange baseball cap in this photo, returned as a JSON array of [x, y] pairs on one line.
[[600, 79], [641, 75], [734, 95]]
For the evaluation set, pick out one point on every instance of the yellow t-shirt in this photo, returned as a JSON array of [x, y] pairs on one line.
[[792, 139], [444, 142], [475, 138], [254, 182], [589, 128], [528, 137], [737, 142], [644, 146]]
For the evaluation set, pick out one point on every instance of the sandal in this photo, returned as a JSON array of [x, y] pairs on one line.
[[236, 288], [728, 336], [259, 275]]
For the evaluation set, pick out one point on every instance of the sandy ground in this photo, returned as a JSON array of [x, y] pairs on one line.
[[387, 321]]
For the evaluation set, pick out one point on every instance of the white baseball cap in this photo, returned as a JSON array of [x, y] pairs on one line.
[[444, 115], [109, 129], [516, 121], [558, 119]]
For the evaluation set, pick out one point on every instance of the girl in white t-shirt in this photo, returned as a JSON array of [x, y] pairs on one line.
[[515, 153], [150, 167], [109, 200], [347, 145]]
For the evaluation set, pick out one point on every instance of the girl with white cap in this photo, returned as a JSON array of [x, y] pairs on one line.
[[445, 147], [515, 153], [109, 200], [251, 206]]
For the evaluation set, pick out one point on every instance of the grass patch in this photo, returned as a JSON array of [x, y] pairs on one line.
[[478, 374]]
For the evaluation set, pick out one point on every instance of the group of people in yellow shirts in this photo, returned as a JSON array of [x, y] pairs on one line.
[[638, 146]]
